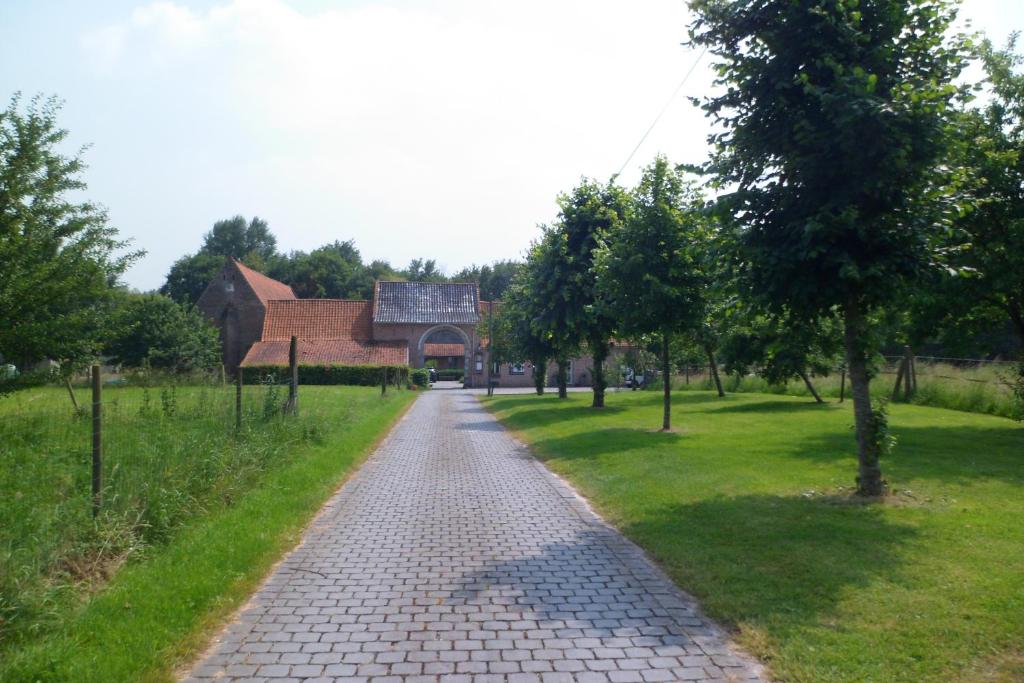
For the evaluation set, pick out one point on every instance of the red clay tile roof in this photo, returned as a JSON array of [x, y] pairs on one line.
[[318, 319], [329, 352], [265, 288], [443, 349]]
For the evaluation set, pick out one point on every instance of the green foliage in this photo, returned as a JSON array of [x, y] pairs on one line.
[[493, 279], [984, 284], [153, 330], [190, 275], [229, 505], [650, 272], [1017, 386], [420, 377], [252, 243], [355, 375], [831, 140], [60, 256], [333, 271], [421, 270], [779, 348]]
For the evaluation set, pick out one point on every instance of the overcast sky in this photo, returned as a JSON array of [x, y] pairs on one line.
[[419, 129]]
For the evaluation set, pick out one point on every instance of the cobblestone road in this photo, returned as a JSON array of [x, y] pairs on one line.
[[454, 556]]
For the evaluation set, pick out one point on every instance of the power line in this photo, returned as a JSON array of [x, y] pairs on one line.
[[663, 110]]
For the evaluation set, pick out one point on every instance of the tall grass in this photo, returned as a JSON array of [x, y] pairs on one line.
[[979, 388], [170, 451]]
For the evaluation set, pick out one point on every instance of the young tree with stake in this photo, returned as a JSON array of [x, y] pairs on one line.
[[651, 271]]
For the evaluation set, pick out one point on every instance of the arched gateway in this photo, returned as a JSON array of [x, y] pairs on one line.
[[444, 344]]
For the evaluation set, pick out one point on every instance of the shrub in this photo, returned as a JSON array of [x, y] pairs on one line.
[[357, 375], [420, 377]]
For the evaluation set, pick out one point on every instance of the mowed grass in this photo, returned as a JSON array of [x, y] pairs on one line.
[[160, 607], [747, 505]]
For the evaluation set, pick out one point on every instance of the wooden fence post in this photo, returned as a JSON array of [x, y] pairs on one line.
[[908, 359], [292, 406], [842, 385], [97, 440], [238, 400], [899, 379]]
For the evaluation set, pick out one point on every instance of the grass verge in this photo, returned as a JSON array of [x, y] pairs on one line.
[[159, 609], [747, 505]]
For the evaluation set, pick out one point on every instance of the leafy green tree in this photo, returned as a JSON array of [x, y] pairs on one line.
[[651, 272], [421, 270], [333, 271], [587, 216], [154, 330], [251, 243], [554, 317], [493, 279], [190, 275], [988, 245], [60, 257], [512, 335], [833, 120]]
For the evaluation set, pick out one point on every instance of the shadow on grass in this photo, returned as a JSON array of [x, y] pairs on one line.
[[604, 441], [772, 407], [954, 455], [773, 559]]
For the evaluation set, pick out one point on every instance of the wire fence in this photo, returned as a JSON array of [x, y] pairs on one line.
[[968, 384], [84, 482]]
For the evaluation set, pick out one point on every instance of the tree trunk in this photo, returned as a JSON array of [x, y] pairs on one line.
[[713, 369], [810, 387], [540, 374], [1017, 317], [599, 351], [666, 382], [71, 393], [869, 479], [563, 381]]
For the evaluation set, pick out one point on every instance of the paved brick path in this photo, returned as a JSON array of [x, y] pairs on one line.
[[455, 556]]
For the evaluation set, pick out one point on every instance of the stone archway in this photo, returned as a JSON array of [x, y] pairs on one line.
[[466, 344]]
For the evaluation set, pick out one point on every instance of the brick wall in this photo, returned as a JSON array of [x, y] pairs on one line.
[[230, 304]]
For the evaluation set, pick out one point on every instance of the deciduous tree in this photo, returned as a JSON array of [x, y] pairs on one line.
[[833, 116], [59, 255], [651, 272]]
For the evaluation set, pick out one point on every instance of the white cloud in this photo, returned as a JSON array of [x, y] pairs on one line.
[[432, 130]]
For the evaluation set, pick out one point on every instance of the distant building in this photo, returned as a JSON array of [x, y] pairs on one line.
[[406, 323]]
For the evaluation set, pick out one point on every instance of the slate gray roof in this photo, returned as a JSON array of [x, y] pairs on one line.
[[430, 303]]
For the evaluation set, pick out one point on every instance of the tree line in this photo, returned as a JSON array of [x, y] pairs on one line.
[[332, 271], [859, 193]]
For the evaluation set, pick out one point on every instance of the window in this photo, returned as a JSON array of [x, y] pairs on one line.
[[479, 363], [496, 369], [516, 369]]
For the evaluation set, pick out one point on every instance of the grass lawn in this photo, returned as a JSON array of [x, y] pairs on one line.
[[747, 507], [159, 609]]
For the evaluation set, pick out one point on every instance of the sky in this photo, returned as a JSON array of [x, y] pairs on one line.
[[439, 130]]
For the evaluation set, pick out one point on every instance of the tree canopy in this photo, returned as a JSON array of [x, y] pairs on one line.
[[60, 255]]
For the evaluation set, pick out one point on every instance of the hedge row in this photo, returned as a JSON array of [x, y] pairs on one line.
[[450, 374], [360, 375]]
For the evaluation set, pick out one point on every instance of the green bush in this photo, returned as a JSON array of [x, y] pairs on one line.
[[356, 375], [420, 377]]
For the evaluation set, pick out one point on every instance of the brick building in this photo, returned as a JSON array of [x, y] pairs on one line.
[[406, 323]]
